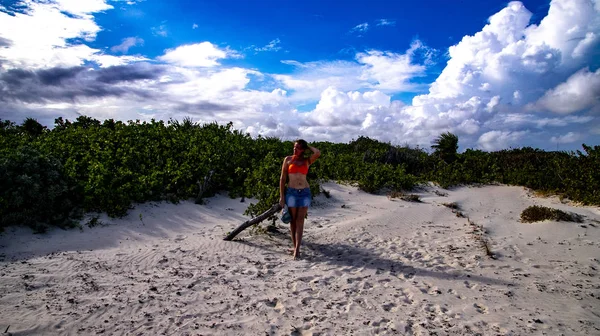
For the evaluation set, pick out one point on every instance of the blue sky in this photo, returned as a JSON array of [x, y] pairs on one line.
[[498, 74]]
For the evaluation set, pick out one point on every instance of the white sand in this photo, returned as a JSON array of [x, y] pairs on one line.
[[370, 265]]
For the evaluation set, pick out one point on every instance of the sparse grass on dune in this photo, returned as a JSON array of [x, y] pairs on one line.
[[479, 235], [452, 205], [455, 208], [403, 196], [411, 198], [537, 213]]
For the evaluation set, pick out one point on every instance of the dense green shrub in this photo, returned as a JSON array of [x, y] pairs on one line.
[[108, 166], [34, 190]]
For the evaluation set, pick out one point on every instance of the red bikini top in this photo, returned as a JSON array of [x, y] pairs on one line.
[[298, 166]]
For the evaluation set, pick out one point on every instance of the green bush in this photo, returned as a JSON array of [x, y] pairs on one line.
[[34, 191], [108, 166]]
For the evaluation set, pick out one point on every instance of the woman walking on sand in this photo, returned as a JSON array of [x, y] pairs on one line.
[[297, 195]]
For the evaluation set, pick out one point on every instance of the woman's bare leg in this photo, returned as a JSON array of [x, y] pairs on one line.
[[293, 212], [299, 219]]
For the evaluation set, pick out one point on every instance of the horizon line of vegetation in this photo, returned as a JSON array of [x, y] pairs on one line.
[[51, 177]]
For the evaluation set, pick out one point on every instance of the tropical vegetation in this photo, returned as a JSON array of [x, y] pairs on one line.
[[52, 176]]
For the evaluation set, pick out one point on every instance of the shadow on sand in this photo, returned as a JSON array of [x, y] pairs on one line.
[[344, 255]]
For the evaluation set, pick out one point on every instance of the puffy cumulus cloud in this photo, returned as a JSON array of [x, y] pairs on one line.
[[204, 54], [567, 138], [273, 128], [189, 84], [495, 78], [496, 140], [513, 59], [352, 108], [388, 71], [580, 92], [342, 116]]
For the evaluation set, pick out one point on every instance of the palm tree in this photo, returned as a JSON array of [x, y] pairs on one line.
[[446, 146], [32, 127]]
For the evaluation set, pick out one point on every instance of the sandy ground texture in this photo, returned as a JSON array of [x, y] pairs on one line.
[[370, 265]]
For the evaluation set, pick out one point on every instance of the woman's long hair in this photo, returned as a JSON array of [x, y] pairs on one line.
[[304, 145]]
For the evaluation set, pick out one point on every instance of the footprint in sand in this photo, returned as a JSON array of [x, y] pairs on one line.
[[470, 285], [275, 304], [306, 278], [455, 293], [380, 323], [389, 307], [426, 288], [361, 302], [406, 274], [407, 296], [384, 282], [351, 280], [480, 308]]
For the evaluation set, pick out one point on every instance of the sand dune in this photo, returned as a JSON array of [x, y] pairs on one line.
[[369, 265]]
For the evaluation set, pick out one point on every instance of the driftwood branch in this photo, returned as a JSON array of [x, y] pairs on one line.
[[275, 208]]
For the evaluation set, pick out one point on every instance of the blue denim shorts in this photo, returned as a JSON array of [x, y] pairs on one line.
[[297, 198]]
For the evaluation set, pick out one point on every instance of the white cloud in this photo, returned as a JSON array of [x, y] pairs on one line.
[[386, 22], [496, 140], [204, 54], [274, 45], [388, 71], [373, 69], [581, 91], [194, 26], [566, 138], [80, 8], [39, 34], [360, 28], [502, 86], [481, 94], [311, 79], [520, 120], [509, 65], [508, 55], [160, 30], [109, 60], [127, 43], [337, 108], [129, 2]]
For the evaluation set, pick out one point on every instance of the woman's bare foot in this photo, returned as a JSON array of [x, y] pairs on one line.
[[296, 254]]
